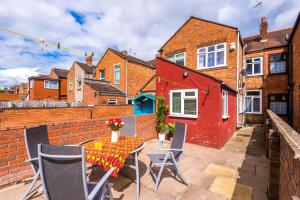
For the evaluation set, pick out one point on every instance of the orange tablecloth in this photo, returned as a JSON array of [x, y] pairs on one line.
[[106, 154]]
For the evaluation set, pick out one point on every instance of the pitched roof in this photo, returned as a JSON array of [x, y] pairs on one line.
[[274, 39], [90, 69], [133, 59], [41, 77], [192, 17], [60, 73], [104, 87], [297, 22], [223, 83]]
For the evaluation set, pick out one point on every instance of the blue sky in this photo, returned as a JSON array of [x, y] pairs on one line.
[[141, 26]]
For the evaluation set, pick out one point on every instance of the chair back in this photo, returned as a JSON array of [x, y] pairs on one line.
[[33, 137], [63, 172], [179, 136], [129, 128]]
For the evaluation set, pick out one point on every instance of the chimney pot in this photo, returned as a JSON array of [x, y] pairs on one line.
[[89, 59], [125, 52]]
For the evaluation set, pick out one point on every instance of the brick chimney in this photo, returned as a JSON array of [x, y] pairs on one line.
[[125, 52], [263, 29], [89, 59]]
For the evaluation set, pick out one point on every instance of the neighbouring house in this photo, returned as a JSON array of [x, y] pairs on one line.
[[211, 48], [205, 103], [99, 92], [61, 75], [75, 79], [266, 73], [125, 72], [294, 75], [23, 91], [43, 87]]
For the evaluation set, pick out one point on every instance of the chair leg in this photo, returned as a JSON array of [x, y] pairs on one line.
[[31, 186], [137, 174], [109, 186], [176, 166], [160, 171]]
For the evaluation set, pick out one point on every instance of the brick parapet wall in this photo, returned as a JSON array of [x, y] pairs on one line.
[[284, 154], [13, 152]]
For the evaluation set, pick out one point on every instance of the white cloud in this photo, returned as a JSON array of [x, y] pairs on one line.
[[133, 24]]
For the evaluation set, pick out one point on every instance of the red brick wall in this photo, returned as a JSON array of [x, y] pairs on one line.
[[13, 152], [38, 92], [19, 117], [9, 97]]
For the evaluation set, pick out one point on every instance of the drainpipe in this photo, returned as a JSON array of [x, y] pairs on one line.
[[126, 80], [237, 76]]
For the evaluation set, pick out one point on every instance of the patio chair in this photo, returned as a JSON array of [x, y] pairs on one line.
[[34, 136], [63, 176], [171, 156], [129, 129]]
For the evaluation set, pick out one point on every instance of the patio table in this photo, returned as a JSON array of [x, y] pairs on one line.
[[102, 152]]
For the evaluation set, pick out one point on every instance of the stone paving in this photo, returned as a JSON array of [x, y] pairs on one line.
[[238, 171]]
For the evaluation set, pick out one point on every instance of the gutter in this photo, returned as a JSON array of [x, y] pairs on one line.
[[237, 77], [126, 80]]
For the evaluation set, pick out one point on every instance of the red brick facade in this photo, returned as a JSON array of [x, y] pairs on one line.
[[62, 90], [39, 92]]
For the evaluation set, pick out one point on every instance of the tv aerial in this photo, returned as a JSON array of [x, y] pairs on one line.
[[258, 4]]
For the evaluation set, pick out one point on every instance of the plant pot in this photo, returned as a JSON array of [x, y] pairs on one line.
[[161, 137], [115, 136]]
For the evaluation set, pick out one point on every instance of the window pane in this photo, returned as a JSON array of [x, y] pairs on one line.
[[179, 56], [102, 74], [211, 59], [277, 57], [279, 107], [171, 58], [256, 104], [257, 68], [46, 84], [278, 67], [248, 104], [253, 93], [117, 74], [221, 46], [257, 59], [189, 94], [220, 57], [249, 61], [224, 104], [71, 84], [249, 69], [202, 60], [176, 102], [190, 106], [53, 84], [210, 49], [180, 62], [203, 50]]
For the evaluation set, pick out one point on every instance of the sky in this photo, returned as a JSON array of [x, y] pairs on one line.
[[138, 26]]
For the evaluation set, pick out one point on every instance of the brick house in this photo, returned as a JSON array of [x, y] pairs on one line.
[[43, 87], [205, 103], [23, 91], [127, 73], [61, 75], [75, 79], [294, 77], [266, 77], [211, 48]]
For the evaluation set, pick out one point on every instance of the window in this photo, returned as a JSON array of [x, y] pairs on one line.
[[212, 56], [79, 82], [51, 84], [129, 101], [117, 73], [224, 104], [178, 58], [71, 84], [102, 74], [184, 103], [278, 103], [278, 63], [242, 103], [31, 83], [112, 101], [253, 101], [254, 66]]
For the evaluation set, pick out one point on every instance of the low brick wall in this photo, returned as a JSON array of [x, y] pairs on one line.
[[284, 155], [27, 116], [12, 146]]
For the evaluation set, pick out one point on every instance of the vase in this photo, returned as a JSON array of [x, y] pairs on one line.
[[161, 137], [115, 136]]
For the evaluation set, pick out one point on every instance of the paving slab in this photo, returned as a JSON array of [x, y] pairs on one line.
[[221, 171]]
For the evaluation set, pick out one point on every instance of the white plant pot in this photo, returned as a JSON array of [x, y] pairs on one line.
[[115, 136], [161, 137]]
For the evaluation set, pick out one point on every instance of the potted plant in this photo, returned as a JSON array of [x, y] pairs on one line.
[[161, 114], [170, 129], [115, 125]]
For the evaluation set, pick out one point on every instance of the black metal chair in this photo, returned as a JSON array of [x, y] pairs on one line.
[[63, 174], [171, 156], [129, 128]]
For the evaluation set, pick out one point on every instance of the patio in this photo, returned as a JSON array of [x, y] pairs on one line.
[[237, 171]]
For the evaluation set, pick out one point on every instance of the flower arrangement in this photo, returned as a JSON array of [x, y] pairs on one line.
[[115, 124]]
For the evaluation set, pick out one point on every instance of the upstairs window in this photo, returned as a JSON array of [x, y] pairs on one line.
[[278, 63], [212, 56], [253, 101], [278, 103], [31, 83], [184, 103], [51, 84], [254, 66], [112, 101], [79, 82], [102, 74], [71, 84], [178, 58], [117, 74], [224, 104]]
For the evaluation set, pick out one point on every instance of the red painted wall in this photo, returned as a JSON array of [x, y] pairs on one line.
[[209, 129]]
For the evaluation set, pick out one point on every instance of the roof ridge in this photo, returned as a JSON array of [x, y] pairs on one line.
[[278, 30]]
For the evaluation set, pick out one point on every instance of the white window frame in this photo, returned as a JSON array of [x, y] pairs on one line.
[[241, 103], [181, 114], [101, 78], [260, 97], [173, 57], [48, 87], [117, 65], [206, 57], [252, 63], [31, 83], [112, 101], [225, 116]]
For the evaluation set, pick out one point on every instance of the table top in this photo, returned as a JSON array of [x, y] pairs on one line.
[[104, 153]]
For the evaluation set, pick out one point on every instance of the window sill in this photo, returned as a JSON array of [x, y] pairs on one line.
[[225, 116], [212, 68], [254, 75], [253, 113], [274, 74], [183, 116]]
